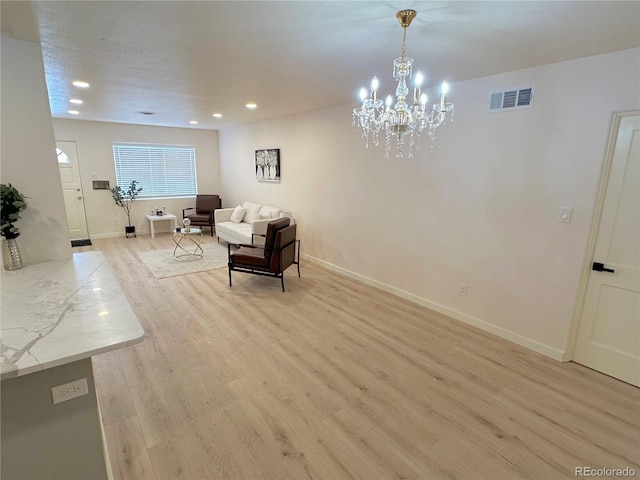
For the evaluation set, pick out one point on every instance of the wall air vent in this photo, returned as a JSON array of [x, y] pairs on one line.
[[514, 99]]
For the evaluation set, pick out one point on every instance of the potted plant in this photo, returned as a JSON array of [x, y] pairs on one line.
[[124, 198], [13, 202]]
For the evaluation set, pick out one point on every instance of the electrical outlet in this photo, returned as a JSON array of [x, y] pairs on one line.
[[462, 290], [70, 390]]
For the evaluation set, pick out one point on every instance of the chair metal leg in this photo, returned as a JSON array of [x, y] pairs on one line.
[[282, 280], [229, 260]]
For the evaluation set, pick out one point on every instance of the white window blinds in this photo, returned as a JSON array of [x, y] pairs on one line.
[[161, 170]]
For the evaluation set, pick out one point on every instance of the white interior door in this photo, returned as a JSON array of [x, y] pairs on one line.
[[72, 190], [608, 337]]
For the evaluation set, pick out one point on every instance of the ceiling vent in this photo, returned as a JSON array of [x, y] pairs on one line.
[[515, 99]]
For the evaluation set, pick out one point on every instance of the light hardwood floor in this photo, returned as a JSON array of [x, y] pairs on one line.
[[335, 379]]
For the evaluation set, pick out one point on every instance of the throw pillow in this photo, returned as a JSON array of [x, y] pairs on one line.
[[252, 212], [269, 212], [238, 214]]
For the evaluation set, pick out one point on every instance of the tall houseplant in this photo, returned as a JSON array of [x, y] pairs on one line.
[[124, 199], [13, 202]]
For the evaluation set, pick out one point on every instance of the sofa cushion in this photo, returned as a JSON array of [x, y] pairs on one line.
[[252, 212], [269, 212], [238, 214], [234, 232]]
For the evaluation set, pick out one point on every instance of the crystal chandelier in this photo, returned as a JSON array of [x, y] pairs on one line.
[[400, 121]]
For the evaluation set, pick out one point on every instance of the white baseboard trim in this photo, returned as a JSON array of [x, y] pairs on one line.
[[121, 234], [97, 236], [516, 338]]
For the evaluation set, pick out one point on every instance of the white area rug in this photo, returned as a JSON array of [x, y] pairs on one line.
[[163, 265]]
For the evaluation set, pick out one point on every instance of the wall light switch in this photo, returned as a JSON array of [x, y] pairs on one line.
[[565, 215]]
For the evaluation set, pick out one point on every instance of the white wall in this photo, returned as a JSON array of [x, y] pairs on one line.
[[480, 209], [94, 142], [28, 153]]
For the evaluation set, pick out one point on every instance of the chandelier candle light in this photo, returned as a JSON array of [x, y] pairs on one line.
[[400, 120]]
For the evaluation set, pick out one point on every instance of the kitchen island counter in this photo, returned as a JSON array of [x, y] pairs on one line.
[[58, 312], [56, 315]]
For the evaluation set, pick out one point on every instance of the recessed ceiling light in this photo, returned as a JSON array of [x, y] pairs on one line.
[[76, 101], [73, 112], [193, 122], [80, 84], [217, 115], [251, 105]]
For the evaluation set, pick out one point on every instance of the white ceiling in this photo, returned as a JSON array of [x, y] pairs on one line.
[[184, 60]]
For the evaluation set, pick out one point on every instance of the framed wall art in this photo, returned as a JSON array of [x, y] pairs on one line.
[[268, 165]]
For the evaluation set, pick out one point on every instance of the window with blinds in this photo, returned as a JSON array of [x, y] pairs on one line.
[[161, 170]]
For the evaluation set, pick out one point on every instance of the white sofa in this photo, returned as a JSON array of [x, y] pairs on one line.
[[239, 228]]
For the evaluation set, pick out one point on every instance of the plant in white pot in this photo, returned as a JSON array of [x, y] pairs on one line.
[[124, 199], [13, 202]]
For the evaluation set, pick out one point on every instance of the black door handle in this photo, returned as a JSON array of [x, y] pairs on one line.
[[599, 267]]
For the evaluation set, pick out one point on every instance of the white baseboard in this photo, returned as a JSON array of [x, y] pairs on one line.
[[96, 236], [516, 338], [119, 234]]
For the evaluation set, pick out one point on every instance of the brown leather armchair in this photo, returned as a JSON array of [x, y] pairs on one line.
[[205, 206], [271, 259]]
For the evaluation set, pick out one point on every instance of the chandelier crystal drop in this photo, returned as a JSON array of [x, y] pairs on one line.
[[400, 122]]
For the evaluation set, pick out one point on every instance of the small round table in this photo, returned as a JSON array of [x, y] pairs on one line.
[[190, 251]]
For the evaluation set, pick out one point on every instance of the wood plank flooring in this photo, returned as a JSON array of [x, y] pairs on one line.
[[335, 379]]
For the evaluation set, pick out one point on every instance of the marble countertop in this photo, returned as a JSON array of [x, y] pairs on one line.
[[58, 312]]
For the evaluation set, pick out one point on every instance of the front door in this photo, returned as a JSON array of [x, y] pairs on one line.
[[72, 190], [608, 337]]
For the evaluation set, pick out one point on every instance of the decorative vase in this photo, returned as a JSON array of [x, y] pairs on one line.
[[11, 254], [130, 231]]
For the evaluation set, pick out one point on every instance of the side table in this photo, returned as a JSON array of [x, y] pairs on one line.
[[157, 218], [190, 251]]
